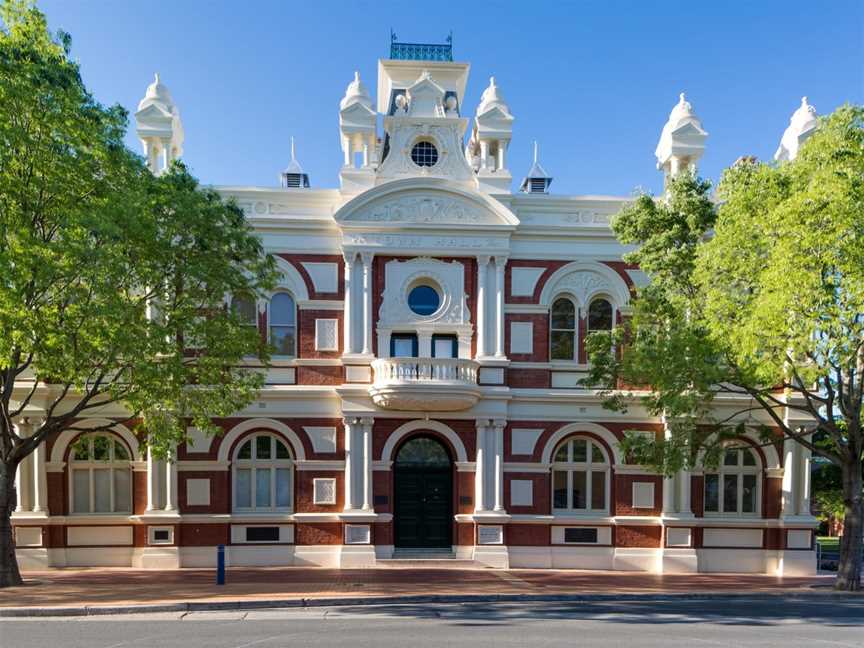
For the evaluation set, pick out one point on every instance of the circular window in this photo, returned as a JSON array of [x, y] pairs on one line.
[[424, 154], [424, 300]]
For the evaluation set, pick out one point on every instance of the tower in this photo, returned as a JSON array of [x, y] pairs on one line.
[[357, 127], [682, 141], [159, 127], [487, 148], [801, 126]]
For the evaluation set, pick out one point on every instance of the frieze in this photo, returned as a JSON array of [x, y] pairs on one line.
[[428, 242], [423, 209]]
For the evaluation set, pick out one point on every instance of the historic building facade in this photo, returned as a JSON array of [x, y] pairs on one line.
[[425, 392]]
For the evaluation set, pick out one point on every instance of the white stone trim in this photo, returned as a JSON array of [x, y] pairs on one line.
[[611, 285], [264, 424], [65, 438], [574, 428], [433, 426]]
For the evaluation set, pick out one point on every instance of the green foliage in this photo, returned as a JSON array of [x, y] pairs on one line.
[[108, 275]]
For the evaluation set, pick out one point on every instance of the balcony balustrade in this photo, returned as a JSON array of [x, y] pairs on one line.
[[425, 384]]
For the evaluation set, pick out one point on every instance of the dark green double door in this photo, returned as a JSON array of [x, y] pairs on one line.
[[423, 506]]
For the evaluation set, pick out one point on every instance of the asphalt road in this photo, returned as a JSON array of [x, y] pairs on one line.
[[758, 622]]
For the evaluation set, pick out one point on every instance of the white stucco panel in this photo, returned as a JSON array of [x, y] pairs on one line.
[[523, 440], [521, 337], [524, 280], [323, 438], [325, 276]]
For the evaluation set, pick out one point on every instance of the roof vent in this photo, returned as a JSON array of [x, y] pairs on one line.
[[537, 181], [293, 177]]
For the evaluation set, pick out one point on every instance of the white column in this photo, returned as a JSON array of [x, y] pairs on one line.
[[40, 479], [367, 464], [482, 264], [347, 346], [805, 456], [171, 481], [498, 427], [367, 257], [152, 481], [668, 482], [484, 154], [373, 149], [480, 468], [500, 262], [346, 150], [23, 476], [502, 145], [684, 504], [350, 424], [790, 479]]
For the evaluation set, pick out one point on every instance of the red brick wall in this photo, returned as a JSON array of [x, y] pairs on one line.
[[697, 495], [328, 375], [139, 492], [528, 535], [772, 497], [320, 533], [204, 535], [304, 498], [306, 333], [624, 490], [529, 378], [637, 536], [551, 267], [541, 492], [540, 340]]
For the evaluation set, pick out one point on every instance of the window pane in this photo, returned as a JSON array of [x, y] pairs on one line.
[[403, 347], [749, 459], [102, 488], [262, 488], [282, 310], [600, 315], [283, 487], [243, 488], [122, 490], [282, 451], [580, 450], [730, 458], [712, 493], [444, 348], [424, 300], [580, 479], [730, 493], [562, 345], [101, 448], [80, 491], [244, 308], [748, 504], [597, 454], [563, 315], [81, 449], [120, 452], [598, 490], [282, 339], [245, 451], [559, 478], [262, 447], [561, 454]]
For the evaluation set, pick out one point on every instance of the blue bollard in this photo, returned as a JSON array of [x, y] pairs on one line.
[[220, 565]]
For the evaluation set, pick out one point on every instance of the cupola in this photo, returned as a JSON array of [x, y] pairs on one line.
[[158, 126], [537, 181], [682, 142], [490, 138], [801, 126], [293, 176]]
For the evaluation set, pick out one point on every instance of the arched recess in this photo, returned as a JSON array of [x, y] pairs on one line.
[[574, 428], [584, 280], [260, 424], [431, 426], [58, 451], [766, 452]]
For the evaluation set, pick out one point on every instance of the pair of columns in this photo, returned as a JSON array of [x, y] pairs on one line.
[[484, 155], [161, 473], [482, 316], [796, 479], [358, 464], [31, 481], [489, 470], [678, 483], [366, 311], [367, 144]]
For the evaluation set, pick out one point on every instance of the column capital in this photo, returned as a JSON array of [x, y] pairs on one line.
[[349, 256], [501, 260], [481, 422], [367, 420], [483, 259], [499, 423], [351, 420], [366, 258]]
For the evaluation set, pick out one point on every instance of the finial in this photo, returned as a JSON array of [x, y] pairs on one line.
[[157, 77], [292, 150], [492, 81], [357, 76], [681, 99], [536, 148], [804, 101]]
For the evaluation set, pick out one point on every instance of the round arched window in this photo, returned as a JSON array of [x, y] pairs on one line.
[[424, 154], [424, 300]]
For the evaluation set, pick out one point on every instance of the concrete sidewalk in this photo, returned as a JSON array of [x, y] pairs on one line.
[[100, 590]]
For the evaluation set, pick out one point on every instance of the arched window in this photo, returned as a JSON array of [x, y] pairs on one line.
[[600, 315], [100, 475], [562, 326], [283, 324], [263, 475], [580, 477], [243, 306], [733, 489]]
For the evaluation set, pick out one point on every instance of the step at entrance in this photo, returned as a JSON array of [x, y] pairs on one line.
[[425, 559]]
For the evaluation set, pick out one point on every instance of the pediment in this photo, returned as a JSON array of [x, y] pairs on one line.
[[431, 203], [688, 129], [154, 112], [356, 111], [495, 114]]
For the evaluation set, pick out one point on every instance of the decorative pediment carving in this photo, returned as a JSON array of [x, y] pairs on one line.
[[424, 208]]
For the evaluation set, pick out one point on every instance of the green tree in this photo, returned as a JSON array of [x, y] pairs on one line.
[[112, 281], [759, 296]]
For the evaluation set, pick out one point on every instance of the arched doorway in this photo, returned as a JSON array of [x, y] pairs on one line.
[[423, 488]]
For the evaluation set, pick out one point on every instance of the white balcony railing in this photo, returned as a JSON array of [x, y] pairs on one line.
[[425, 383]]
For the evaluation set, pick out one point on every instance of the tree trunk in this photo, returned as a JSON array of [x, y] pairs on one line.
[[849, 569], [9, 574]]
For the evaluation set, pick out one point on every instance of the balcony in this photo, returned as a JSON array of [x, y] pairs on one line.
[[425, 384]]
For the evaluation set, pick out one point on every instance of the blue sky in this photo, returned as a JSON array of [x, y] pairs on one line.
[[592, 81]]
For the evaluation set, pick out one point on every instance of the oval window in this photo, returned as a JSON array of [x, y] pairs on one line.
[[424, 300], [424, 154]]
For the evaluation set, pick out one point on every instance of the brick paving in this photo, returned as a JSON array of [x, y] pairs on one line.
[[121, 586]]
